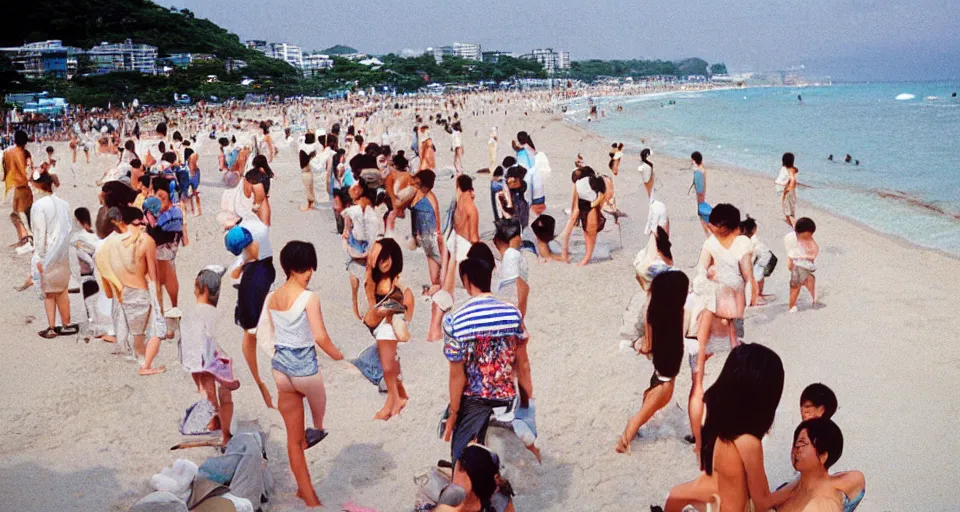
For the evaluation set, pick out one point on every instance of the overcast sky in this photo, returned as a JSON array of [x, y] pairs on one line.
[[846, 39]]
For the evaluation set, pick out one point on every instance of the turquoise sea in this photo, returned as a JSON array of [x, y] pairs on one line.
[[908, 180]]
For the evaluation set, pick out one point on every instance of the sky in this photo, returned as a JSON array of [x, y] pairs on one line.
[[843, 39]]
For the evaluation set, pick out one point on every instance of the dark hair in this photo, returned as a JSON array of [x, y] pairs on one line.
[[482, 469], [663, 242], [507, 229], [805, 225], [748, 227], [145, 180], [177, 136], [309, 138], [161, 184], [127, 146], [743, 400], [305, 158], [427, 179], [187, 150], [668, 293], [508, 162], [260, 162], [524, 138], [400, 162], [162, 128], [372, 149], [83, 216], [644, 157], [265, 128], [224, 142], [498, 172], [825, 436], [298, 256], [358, 139], [788, 160], [20, 138], [725, 216], [169, 156], [389, 248], [136, 163], [478, 271], [130, 214], [598, 185], [481, 251], [464, 183], [50, 149], [819, 395], [696, 157]]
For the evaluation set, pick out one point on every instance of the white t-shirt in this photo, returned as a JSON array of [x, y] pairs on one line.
[[456, 140], [656, 216], [367, 223], [584, 191], [261, 235], [646, 172], [513, 266], [782, 179]]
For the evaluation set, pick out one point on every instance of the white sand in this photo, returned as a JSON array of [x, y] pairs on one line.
[[81, 431]]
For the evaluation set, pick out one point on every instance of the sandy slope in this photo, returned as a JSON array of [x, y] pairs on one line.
[[80, 431]]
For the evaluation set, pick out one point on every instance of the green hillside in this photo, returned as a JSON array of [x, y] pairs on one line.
[[339, 50]]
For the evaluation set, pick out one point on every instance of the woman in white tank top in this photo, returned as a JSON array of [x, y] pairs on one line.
[[290, 328]]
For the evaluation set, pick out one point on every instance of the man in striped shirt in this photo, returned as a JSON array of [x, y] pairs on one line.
[[485, 342]]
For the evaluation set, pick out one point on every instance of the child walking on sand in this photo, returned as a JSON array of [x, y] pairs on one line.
[[201, 355], [802, 251], [764, 262]]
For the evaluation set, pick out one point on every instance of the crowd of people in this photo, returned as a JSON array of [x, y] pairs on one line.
[[350, 158]]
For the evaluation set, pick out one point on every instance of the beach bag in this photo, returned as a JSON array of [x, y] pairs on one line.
[[197, 417], [171, 220], [228, 217]]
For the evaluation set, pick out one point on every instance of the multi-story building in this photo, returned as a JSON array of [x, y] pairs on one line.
[[44, 59], [182, 60], [289, 53], [550, 60], [468, 51], [257, 44], [316, 62], [440, 52], [494, 57], [126, 56]]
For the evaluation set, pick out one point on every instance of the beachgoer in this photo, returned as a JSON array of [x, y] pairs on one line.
[[456, 131], [387, 299], [646, 171], [400, 188], [292, 325], [475, 486], [492, 142], [513, 283], [425, 213], [764, 262], [740, 408], [362, 227], [86, 243], [50, 264], [485, 357], [662, 341], [656, 217], [817, 401], [818, 445], [786, 184], [308, 166], [724, 270], [802, 251], [200, 354], [250, 242], [191, 193], [15, 178], [700, 184], [428, 152], [586, 211], [616, 155], [141, 308]]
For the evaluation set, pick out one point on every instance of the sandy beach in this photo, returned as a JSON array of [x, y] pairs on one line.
[[81, 431]]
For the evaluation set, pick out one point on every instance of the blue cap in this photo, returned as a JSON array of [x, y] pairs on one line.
[[152, 205], [237, 239]]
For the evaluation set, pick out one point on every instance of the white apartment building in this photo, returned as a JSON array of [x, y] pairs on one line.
[[468, 51], [290, 53], [126, 56], [316, 62], [550, 60]]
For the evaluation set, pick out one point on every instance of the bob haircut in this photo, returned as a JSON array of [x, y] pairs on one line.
[[298, 256], [389, 248], [825, 436]]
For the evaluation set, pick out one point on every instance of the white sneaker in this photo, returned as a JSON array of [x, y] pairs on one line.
[[26, 248], [793, 309]]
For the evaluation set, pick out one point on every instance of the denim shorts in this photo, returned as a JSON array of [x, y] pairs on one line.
[[296, 362]]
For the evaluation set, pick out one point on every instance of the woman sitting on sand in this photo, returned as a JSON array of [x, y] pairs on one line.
[[817, 445], [661, 341], [740, 406], [387, 298], [586, 202], [291, 326]]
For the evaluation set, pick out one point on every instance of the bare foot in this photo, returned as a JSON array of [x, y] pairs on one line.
[[400, 405], [151, 371], [583, 263], [431, 290], [382, 414], [314, 501], [623, 446], [536, 453], [306, 208]]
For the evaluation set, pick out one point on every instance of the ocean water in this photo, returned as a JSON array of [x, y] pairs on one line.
[[908, 180]]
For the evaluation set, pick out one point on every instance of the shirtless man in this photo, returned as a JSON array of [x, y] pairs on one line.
[[465, 232], [137, 277], [428, 153]]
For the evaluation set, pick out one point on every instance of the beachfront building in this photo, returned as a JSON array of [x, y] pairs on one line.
[[125, 56], [314, 63], [44, 59], [256, 44], [552, 61], [439, 53], [182, 60], [289, 53], [494, 56], [468, 51]]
